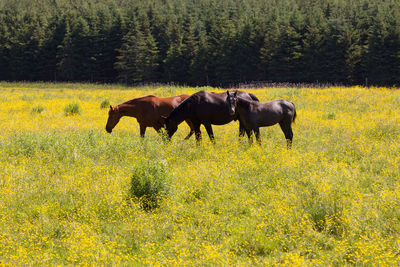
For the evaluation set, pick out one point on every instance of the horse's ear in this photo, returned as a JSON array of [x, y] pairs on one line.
[[111, 107], [227, 92]]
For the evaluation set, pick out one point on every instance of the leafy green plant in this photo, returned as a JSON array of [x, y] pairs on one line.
[[105, 104], [330, 116], [72, 109], [149, 183], [38, 109]]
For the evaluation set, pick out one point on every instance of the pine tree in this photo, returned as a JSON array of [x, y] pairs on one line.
[[286, 59], [382, 57], [66, 59], [313, 41], [4, 47], [138, 57], [55, 33], [199, 66], [110, 41]]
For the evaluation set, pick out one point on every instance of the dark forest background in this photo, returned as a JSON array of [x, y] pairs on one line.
[[201, 42]]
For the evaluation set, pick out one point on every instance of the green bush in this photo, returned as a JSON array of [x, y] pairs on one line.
[[105, 104], [330, 116], [38, 109], [72, 109], [149, 183]]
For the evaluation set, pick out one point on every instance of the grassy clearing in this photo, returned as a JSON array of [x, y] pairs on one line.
[[67, 189]]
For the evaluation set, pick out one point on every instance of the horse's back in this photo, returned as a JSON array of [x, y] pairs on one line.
[[153, 106], [242, 94], [140, 99], [161, 101], [286, 106], [278, 104], [209, 107], [269, 113]]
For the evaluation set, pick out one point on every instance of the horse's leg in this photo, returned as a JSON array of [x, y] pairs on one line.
[[257, 134], [287, 130], [142, 130], [249, 132], [241, 129], [191, 129], [249, 126], [210, 132], [197, 133], [189, 134]]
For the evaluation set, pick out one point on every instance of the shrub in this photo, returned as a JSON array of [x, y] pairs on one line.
[[72, 109], [330, 116], [105, 104], [38, 109], [149, 183]]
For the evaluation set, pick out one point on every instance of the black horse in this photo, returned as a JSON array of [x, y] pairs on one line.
[[253, 115], [205, 108]]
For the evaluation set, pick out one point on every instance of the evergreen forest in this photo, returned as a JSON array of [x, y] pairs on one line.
[[201, 42]]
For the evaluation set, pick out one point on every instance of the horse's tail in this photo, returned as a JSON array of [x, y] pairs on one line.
[[253, 97]]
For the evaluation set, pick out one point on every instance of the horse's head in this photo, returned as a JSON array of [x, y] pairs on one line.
[[170, 126], [113, 119], [232, 102]]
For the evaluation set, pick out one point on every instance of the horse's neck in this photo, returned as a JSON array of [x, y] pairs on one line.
[[181, 118], [180, 113], [130, 109], [243, 103]]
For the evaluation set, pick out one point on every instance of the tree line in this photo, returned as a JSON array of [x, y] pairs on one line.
[[201, 42]]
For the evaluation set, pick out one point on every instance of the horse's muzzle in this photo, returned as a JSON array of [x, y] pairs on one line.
[[108, 130]]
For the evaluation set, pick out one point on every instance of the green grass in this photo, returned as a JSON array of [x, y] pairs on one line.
[[73, 194], [72, 109], [38, 109]]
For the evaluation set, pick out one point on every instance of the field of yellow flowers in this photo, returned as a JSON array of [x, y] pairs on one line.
[[66, 185]]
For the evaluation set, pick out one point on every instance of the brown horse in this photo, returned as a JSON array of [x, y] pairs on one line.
[[148, 110]]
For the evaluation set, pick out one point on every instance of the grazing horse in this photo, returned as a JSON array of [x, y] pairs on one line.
[[148, 110], [254, 115], [204, 108]]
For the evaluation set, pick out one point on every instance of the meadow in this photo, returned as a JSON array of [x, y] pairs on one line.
[[66, 185]]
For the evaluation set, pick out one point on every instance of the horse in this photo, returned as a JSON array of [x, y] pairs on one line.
[[254, 115], [149, 111], [204, 108]]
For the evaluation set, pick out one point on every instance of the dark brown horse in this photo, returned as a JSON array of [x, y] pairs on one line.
[[204, 108], [148, 110], [254, 115]]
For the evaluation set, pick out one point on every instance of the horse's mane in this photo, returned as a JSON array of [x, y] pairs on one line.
[[254, 97]]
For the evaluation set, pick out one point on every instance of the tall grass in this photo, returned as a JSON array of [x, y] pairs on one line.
[[71, 193], [105, 103], [72, 109]]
